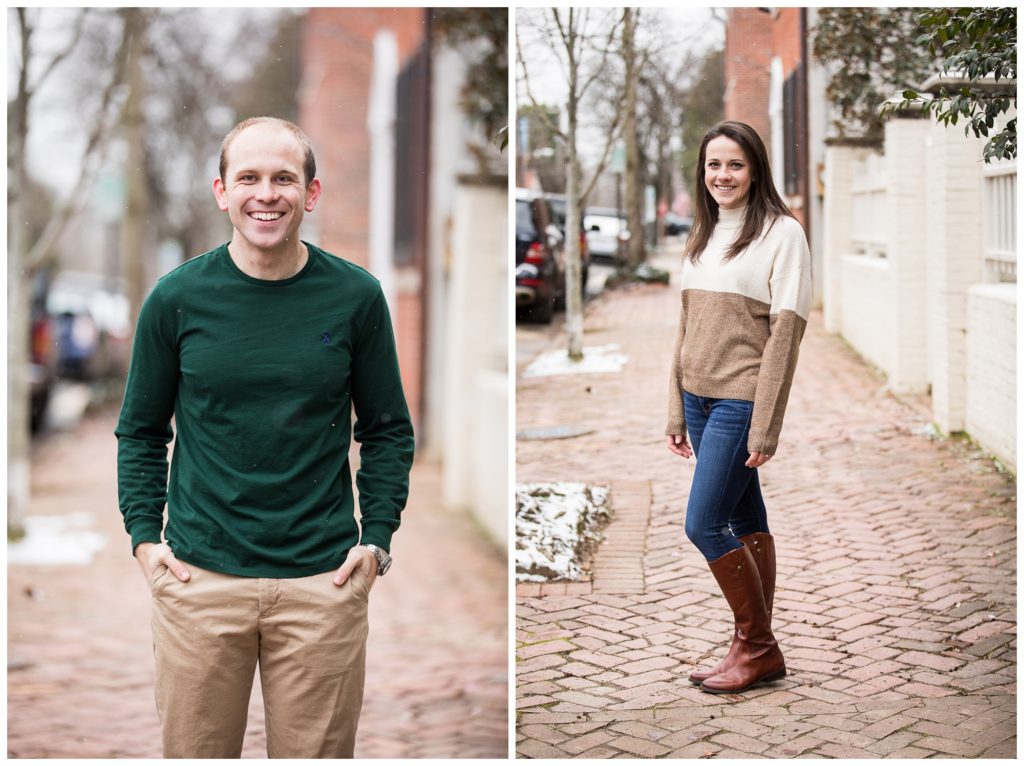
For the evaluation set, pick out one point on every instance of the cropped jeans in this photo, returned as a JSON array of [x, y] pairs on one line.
[[725, 497]]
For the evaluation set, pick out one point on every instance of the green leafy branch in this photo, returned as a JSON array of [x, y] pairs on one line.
[[978, 44]]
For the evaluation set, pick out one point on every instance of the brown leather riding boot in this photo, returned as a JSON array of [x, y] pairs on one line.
[[762, 548], [758, 655]]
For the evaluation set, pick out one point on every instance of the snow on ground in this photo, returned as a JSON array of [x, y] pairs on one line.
[[595, 359], [555, 522], [57, 540]]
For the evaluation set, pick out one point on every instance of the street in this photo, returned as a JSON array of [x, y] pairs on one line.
[[895, 606], [80, 661]]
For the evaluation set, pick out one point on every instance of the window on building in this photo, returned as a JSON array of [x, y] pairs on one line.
[[412, 115]]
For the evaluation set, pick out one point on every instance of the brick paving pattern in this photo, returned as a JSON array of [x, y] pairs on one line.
[[80, 678], [895, 606]]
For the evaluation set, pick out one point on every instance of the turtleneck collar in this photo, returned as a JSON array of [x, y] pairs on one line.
[[731, 219]]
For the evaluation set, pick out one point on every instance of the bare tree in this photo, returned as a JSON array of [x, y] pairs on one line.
[[583, 45], [635, 248], [27, 255], [659, 117]]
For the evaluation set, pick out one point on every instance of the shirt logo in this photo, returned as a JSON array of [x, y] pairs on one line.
[[325, 338]]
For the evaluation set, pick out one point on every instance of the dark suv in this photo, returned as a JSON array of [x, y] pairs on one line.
[[559, 205], [540, 257]]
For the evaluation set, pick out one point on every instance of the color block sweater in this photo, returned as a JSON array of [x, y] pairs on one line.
[[262, 378], [741, 323]]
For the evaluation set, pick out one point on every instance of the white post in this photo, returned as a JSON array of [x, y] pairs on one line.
[[953, 188], [905, 247], [381, 124]]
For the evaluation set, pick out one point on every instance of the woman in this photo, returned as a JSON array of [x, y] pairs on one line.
[[746, 294]]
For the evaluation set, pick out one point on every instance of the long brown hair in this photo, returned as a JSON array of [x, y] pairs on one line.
[[763, 201]]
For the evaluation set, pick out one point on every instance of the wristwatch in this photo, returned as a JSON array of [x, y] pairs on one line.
[[382, 556]]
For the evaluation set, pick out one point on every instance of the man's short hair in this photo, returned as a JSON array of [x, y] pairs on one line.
[[309, 161]]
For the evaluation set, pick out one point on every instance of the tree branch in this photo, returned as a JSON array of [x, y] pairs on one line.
[[97, 139], [613, 134], [554, 129], [59, 57], [604, 58]]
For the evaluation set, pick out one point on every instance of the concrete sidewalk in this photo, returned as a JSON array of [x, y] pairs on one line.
[[896, 587], [80, 679]]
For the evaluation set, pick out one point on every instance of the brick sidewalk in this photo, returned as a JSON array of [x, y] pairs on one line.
[[437, 657], [896, 555]]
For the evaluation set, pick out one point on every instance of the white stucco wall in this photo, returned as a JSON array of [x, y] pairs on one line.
[[867, 308], [991, 402]]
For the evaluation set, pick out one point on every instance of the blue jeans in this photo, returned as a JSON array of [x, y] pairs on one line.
[[725, 497]]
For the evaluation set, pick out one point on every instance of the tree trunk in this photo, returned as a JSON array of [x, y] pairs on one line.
[[574, 269], [18, 309], [135, 222], [636, 252]]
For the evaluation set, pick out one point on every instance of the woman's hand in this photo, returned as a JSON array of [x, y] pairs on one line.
[[757, 459], [678, 445]]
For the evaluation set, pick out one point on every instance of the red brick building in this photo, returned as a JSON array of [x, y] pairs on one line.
[[748, 57], [766, 87], [334, 109]]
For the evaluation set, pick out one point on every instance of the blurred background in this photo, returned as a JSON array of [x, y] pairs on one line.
[[115, 118]]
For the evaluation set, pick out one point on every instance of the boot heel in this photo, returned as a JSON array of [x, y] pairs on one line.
[[780, 673]]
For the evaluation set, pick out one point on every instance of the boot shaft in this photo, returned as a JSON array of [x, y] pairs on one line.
[[738, 577], [762, 548]]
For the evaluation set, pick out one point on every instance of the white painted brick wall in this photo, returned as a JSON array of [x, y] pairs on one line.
[[475, 393], [953, 179], [991, 351], [867, 308], [837, 228], [907, 253]]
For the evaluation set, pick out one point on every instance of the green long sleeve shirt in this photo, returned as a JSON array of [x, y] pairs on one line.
[[261, 378]]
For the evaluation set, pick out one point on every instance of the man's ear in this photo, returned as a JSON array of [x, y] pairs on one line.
[[312, 195], [220, 193]]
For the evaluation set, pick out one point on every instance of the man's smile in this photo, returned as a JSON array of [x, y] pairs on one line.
[[260, 215]]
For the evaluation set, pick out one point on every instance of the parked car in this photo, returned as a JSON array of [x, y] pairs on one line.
[[42, 373], [677, 225], [605, 229], [92, 325], [560, 208], [540, 257]]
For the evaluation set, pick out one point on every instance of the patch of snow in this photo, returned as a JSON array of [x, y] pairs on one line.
[[57, 540], [595, 359], [554, 523], [929, 430]]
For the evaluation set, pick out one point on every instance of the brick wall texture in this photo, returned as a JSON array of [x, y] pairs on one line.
[[337, 63], [748, 56]]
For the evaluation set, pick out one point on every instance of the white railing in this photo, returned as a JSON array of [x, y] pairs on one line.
[[869, 208], [1000, 222]]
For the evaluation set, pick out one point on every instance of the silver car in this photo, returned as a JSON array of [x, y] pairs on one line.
[[605, 229]]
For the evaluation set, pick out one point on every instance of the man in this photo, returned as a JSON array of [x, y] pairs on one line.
[[260, 349]]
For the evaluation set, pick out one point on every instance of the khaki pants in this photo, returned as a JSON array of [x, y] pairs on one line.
[[308, 636]]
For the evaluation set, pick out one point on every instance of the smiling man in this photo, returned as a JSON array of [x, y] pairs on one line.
[[260, 350]]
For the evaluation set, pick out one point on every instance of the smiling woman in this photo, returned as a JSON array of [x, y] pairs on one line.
[[746, 295]]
